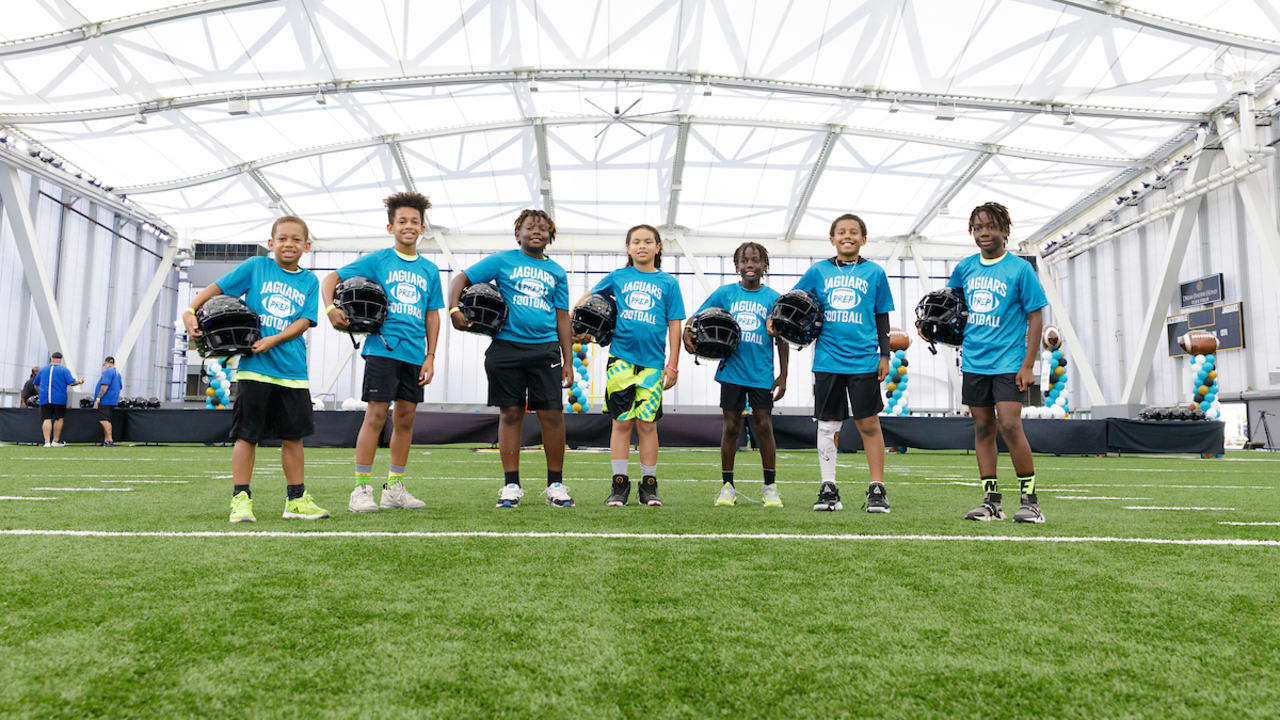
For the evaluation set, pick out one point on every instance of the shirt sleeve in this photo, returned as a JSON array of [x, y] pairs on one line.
[[605, 286], [65, 376], [435, 296], [236, 281], [486, 269], [884, 298], [715, 299], [103, 379], [808, 281], [311, 305], [363, 266], [675, 301], [1032, 292], [957, 276], [560, 299]]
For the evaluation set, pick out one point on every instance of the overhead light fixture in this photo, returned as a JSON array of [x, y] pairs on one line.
[[1202, 132], [238, 105], [944, 210], [895, 105], [320, 98], [945, 112], [533, 85], [706, 89], [139, 117], [1069, 118]]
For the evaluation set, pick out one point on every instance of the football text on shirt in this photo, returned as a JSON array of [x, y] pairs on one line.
[[982, 291], [747, 314], [533, 286], [844, 293], [641, 297], [407, 291], [280, 302]]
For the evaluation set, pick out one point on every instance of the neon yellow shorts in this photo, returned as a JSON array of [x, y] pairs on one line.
[[632, 392]]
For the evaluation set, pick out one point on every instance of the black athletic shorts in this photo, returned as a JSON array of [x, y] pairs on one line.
[[835, 394], [50, 411], [734, 397], [266, 410], [525, 375], [387, 379], [104, 412], [987, 390]]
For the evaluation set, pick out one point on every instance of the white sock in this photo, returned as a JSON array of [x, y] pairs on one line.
[[827, 430], [619, 466], [648, 470]]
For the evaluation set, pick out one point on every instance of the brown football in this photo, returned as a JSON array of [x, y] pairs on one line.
[[898, 339], [1051, 338], [1198, 342]]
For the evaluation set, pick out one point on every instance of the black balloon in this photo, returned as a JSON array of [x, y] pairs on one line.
[[1198, 398]]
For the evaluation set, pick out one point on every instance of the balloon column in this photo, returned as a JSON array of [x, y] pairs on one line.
[[1204, 379], [1054, 367], [895, 383], [218, 394], [578, 400]]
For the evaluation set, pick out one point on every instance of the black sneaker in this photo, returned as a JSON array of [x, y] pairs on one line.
[[989, 509], [620, 492], [1030, 510], [649, 491], [877, 500], [828, 498]]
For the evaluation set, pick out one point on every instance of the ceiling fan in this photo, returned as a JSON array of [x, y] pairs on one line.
[[620, 116]]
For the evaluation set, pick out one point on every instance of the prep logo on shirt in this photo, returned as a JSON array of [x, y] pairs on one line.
[[747, 321], [843, 298], [983, 301], [640, 301], [531, 288], [984, 295], [406, 293], [279, 306]]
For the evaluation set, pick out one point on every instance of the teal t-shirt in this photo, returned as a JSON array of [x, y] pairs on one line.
[[534, 289], [851, 297], [999, 297], [751, 364], [413, 290], [647, 301], [279, 298]]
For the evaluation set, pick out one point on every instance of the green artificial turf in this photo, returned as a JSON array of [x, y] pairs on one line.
[[555, 626]]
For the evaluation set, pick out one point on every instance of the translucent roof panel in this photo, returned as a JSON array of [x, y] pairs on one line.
[[344, 97]]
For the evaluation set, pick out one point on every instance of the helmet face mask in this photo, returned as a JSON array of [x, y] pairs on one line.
[[596, 318], [364, 302], [482, 305], [227, 326], [941, 317], [797, 318], [715, 334]]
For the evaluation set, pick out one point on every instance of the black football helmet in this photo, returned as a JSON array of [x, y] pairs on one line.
[[228, 327], [715, 334], [596, 317], [797, 318], [482, 305], [941, 316], [364, 302], [86, 402], [153, 403]]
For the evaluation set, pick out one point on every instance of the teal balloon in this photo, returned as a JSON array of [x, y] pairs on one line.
[[1210, 358]]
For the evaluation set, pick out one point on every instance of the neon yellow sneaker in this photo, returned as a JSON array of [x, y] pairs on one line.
[[728, 496], [304, 508], [772, 498], [242, 508]]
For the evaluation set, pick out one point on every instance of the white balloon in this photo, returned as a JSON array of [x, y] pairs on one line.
[[1059, 412], [1046, 356], [1198, 359], [1060, 401], [905, 396], [1212, 414], [900, 410]]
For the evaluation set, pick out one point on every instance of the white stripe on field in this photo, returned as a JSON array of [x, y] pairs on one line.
[[78, 489], [146, 482], [1249, 524], [17, 497], [1096, 497], [326, 534], [1177, 507]]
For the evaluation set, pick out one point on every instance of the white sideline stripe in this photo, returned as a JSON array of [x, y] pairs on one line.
[[146, 482], [1248, 524], [323, 534], [1177, 507], [17, 497], [80, 489], [1096, 497]]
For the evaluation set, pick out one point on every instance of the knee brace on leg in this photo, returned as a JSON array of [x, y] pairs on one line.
[[827, 430]]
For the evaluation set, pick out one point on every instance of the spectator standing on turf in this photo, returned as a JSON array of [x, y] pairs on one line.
[[30, 394], [106, 396], [273, 400], [52, 382]]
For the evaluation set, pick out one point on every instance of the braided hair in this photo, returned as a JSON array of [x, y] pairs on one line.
[[534, 213], [998, 213], [764, 254]]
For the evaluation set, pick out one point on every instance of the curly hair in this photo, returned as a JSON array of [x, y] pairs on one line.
[[531, 212], [414, 200], [764, 254], [998, 213], [657, 259], [848, 216]]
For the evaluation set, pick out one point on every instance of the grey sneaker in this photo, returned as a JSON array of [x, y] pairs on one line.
[[397, 497], [362, 500], [989, 509], [772, 498], [1030, 510], [558, 495], [510, 496], [828, 498], [877, 500], [728, 496]]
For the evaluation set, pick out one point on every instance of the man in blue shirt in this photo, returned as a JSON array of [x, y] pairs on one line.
[[400, 361], [1004, 298], [850, 357], [106, 397], [747, 374], [529, 361], [52, 382], [273, 399]]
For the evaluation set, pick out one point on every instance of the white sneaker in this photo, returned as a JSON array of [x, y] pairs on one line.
[[510, 496], [396, 496], [48, 444], [59, 444], [362, 500], [558, 495]]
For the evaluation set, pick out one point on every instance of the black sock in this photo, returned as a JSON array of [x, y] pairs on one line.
[[513, 476], [295, 491], [770, 476], [727, 476], [237, 489], [554, 476], [989, 484]]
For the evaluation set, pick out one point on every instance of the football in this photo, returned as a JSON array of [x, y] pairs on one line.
[[1198, 342], [1051, 338], [899, 339]]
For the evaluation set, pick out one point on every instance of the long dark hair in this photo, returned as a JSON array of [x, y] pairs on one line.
[[657, 260]]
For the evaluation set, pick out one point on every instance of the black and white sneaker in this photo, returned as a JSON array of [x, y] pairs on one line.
[[877, 500], [1030, 510], [828, 498], [649, 491], [620, 491], [989, 509]]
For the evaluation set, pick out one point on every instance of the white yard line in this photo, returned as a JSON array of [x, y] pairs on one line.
[[17, 497], [1096, 497], [82, 489], [1249, 524], [1179, 507]]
